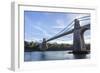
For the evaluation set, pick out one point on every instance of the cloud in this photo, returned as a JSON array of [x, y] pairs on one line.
[[87, 41], [45, 33], [76, 16], [62, 41], [80, 15], [82, 23], [33, 39], [68, 41], [31, 27], [59, 24]]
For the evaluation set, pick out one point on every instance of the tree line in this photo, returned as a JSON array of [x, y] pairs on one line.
[[34, 46]]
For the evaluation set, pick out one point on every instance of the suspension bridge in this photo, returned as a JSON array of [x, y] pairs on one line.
[[78, 35]]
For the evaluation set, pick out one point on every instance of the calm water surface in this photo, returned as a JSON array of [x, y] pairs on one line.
[[52, 55]]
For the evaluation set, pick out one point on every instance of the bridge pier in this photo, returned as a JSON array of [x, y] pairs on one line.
[[78, 39]]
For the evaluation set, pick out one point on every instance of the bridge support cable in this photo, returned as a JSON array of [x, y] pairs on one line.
[[78, 31], [66, 28], [60, 35], [69, 26]]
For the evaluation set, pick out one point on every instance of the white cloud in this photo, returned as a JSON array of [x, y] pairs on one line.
[[87, 38], [59, 24], [45, 33], [87, 41], [60, 42], [68, 41], [33, 39], [72, 17], [81, 15], [32, 27], [83, 22]]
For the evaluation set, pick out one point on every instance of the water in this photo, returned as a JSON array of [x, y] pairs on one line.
[[52, 55]]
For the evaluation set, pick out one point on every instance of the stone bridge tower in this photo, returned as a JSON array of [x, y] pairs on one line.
[[44, 45], [78, 38]]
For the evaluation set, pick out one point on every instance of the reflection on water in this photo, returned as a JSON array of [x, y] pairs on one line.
[[81, 56], [52, 55]]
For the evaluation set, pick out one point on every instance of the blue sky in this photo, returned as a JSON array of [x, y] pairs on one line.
[[39, 25]]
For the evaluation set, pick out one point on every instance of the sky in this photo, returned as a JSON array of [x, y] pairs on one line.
[[39, 25]]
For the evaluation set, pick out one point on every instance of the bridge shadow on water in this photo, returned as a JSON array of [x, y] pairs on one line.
[[43, 56], [79, 56]]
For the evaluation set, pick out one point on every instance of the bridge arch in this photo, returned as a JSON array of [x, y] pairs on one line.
[[86, 36]]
